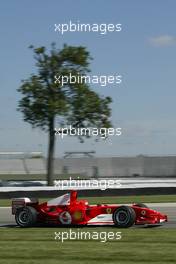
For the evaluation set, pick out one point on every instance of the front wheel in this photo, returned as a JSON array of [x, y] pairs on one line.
[[26, 216], [124, 216]]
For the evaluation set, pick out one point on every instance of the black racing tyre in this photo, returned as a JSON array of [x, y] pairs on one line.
[[124, 216], [141, 205], [26, 216]]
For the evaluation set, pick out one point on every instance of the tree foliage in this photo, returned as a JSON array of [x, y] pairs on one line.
[[43, 100]]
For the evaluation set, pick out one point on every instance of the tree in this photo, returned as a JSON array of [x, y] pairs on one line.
[[44, 99]]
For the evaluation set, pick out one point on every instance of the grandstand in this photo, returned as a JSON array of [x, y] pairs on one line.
[[20, 163]]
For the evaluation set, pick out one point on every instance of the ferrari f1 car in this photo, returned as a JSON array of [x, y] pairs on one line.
[[68, 210]]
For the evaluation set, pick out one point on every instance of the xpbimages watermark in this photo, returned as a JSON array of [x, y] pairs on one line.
[[101, 184], [86, 131], [102, 80], [102, 28], [87, 235]]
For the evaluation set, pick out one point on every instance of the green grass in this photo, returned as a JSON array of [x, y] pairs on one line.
[[38, 246], [131, 199], [113, 199]]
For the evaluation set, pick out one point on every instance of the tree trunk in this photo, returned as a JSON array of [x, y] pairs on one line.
[[51, 147]]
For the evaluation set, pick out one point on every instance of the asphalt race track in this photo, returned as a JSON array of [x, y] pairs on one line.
[[7, 219]]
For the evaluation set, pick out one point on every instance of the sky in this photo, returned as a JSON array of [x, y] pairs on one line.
[[144, 53]]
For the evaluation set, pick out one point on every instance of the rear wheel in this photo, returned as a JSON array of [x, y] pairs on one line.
[[26, 216], [124, 216]]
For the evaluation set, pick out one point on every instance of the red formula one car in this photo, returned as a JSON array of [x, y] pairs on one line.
[[67, 210]]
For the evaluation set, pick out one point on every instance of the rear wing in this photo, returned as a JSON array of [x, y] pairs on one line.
[[21, 202]]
